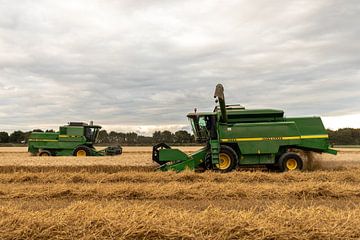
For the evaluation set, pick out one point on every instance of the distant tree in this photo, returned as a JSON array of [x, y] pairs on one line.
[[345, 136], [4, 137], [157, 137], [131, 137], [182, 136], [50, 130], [167, 137], [38, 130], [103, 137], [112, 137], [115, 137], [121, 137], [17, 137], [145, 140]]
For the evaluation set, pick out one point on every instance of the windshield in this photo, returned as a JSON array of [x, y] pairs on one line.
[[91, 134], [198, 125]]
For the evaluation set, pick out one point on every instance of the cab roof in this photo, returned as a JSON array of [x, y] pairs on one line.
[[82, 124]]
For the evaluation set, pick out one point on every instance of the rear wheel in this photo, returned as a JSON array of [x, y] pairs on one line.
[[82, 151], [227, 159], [290, 162], [44, 153]]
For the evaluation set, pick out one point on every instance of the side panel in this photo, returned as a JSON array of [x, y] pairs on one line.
[[76, 131], [55, 144], [250, 159], [44, 136], [260, 142], [260, 138], [309, 125], [38, 140], [64, 152], [313, 133], [71, 138], [60, 145], [55, 141]]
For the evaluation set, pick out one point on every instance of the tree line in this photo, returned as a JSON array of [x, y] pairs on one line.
[[343, 136], [112, 137]]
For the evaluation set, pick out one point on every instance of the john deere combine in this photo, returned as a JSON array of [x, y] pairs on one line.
[[235, 136], [75, 139]]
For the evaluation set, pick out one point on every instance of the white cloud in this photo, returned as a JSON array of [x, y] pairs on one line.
[[345, 121]]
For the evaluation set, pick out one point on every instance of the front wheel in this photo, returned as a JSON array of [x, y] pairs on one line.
[[227, 159], [290, 162], [82, 151]]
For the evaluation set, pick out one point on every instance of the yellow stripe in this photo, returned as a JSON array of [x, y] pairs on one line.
[[43, 140], [273, 138], [315, 136], [65, 136], [292, 138]]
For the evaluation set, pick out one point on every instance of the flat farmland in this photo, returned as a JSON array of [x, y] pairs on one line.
[[132, 156], [122, 197]]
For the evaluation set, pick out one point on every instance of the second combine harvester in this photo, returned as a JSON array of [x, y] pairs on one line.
[[235, 136]]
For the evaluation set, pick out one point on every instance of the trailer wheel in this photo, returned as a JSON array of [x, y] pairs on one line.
[[290, 162], [82, 151], [44, 153], [227, 159]]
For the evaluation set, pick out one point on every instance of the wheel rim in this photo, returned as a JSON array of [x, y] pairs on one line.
[[44, 154], [291, 164], [81, 153], [224, 161]]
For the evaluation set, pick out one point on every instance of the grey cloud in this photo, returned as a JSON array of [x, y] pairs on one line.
[[148, 63]]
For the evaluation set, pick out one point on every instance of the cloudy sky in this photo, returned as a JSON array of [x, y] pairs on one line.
[[142, 65]]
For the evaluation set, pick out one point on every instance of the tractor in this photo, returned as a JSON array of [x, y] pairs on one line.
[[74, 139], [234, 136]]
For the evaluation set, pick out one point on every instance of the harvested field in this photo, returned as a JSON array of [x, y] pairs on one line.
[[122, 197], [132, 156]]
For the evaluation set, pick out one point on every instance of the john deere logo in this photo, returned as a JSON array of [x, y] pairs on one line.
[[272, 138]]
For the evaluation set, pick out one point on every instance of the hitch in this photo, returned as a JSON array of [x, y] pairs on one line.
[[109, 151]]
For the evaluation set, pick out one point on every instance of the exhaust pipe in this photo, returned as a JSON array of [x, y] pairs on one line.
[[219, 94]]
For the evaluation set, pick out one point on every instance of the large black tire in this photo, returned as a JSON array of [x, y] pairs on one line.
[[82, 151], [290, 162], [44, 153], [228, 159]]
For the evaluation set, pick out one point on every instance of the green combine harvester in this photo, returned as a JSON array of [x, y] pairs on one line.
[[74, 139], [235, 136]]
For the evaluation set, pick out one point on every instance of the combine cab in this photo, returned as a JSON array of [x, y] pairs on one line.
[[75, 139], [234, 136]]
